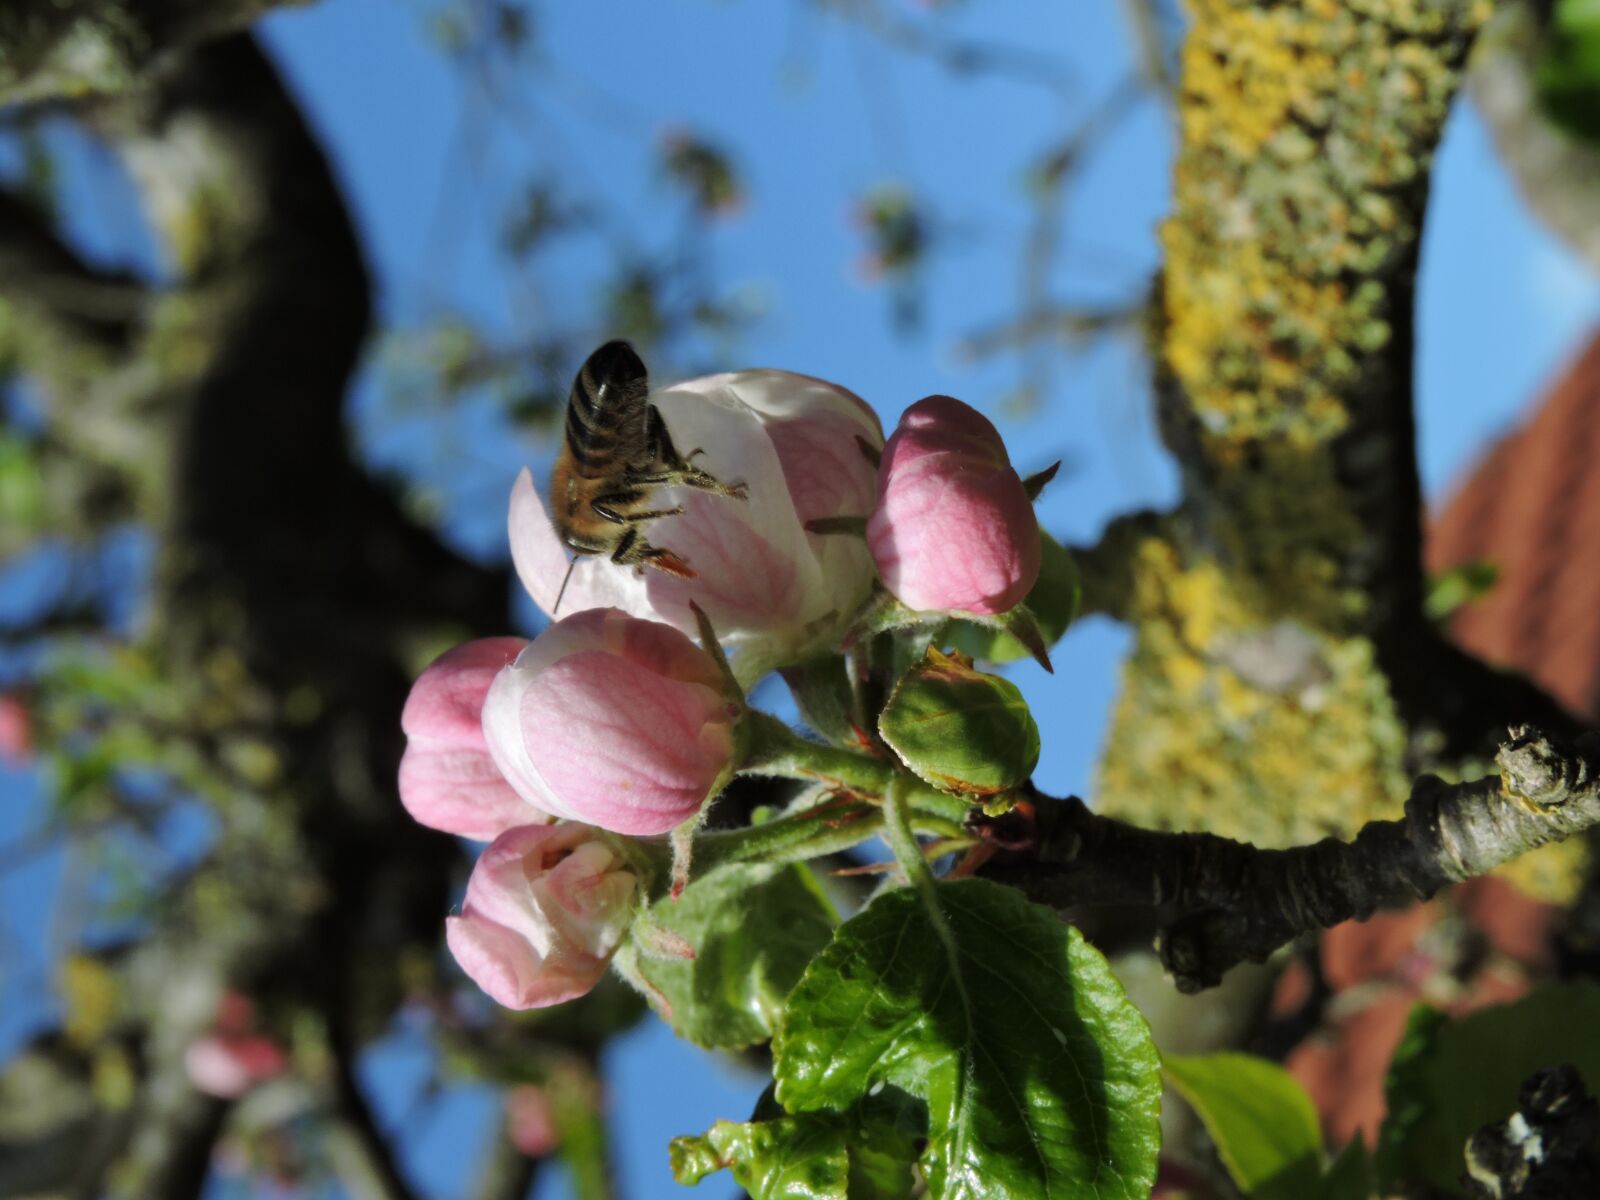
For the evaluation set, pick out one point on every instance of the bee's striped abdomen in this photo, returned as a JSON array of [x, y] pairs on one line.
[[606, 413]]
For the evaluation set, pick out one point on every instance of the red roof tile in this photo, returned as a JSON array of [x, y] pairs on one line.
[[1532, 508]]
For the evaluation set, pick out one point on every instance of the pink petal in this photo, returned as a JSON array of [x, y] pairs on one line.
[[446, 702], [623, 748], [462, 792]]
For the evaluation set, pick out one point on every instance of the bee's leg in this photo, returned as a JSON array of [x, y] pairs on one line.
[[666, 560], [634, 550], [608, 507], [678, 469]]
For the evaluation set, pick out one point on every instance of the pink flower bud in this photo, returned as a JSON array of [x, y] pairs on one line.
[[448, 780], [16, 731], [954, 528], [774, 591], [546, 908], [530, 1121], [227, 1065], [612, 721]]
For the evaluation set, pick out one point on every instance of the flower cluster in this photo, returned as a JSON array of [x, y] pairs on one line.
[[613, 725]]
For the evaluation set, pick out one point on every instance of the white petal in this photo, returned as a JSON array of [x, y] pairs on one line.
[[754, 567], [502, 729], [783, 395]]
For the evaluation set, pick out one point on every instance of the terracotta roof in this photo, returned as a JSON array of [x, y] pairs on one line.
[[1532, 508]]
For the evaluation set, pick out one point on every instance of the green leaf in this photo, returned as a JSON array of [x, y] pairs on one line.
[[1039, 1077], [1053, 601], [1568, 78], [960, 729], [1450, 590], [1404, 1089], [790, 1157], [1349, 1176], [753, 927], [1263, 1123], [813, 1156], [1450, 1078]]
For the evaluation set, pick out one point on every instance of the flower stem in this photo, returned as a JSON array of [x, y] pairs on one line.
[[897, 832], [772, 748], [824, 828]]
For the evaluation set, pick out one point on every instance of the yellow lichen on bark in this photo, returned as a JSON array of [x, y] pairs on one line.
[[1244, 724], [1254, 704]]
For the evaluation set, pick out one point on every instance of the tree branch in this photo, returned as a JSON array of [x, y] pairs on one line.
[[361, 1153], [1107, 570], [1223, 902], [72, 48], [87, 311]]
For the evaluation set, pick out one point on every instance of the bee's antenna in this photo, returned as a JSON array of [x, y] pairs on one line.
[[564, 580]]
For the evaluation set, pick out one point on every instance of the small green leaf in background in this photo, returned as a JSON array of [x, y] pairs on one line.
[[21, 485], [1449, 590], [1568, 77], [1053, 601], [1449, 1078], [960, 729], [754, 927], [1263, 1123], [1038, 1075]]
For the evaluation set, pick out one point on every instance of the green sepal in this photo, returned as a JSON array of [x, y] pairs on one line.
[[1039, 480], [753, 928], [1262, 1122], [959, 729], [710, 644], [821, 691], [1035, 1074]]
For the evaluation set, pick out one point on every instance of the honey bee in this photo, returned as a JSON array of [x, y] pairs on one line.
[[616, 452]]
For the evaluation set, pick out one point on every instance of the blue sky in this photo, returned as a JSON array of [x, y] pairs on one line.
[[815, 114]]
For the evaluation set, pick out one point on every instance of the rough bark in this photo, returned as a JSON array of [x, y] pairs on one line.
[[1223, 902]]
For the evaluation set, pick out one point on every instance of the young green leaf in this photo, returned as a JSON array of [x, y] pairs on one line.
[[753, 928], [960, 729], [1263, 1123], [792, 1156], [1450, 1078], [1039, 1077], [815, 1156]]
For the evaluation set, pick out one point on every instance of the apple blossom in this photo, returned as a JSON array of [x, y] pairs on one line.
[[531, 1121], [773, 591], [546, 908], [16, 731], [448, 780], [233, 1056], [953, 528], [229, 1065], [614, 721]]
